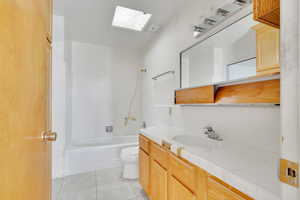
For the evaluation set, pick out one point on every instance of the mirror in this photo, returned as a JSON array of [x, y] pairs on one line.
[[227, 55]]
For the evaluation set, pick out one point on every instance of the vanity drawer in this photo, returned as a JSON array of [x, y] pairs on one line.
[[144, 143], [159, 154], [218, 190], [183, 171]]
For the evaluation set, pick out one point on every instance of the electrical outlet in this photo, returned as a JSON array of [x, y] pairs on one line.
[[289, 172]]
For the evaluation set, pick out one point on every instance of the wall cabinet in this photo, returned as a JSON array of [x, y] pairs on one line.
[[267, 49], [165, 176], [267, 12]]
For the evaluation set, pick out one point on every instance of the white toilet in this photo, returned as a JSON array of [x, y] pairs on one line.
[[129, 157]]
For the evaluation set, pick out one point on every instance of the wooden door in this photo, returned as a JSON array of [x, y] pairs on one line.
[[159, 177], [24, 106], [144, 170]]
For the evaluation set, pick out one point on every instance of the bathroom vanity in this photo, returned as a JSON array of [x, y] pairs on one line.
[[164, 174], [173, 171]]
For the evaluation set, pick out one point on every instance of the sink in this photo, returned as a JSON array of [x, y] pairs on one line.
[[194, 141]]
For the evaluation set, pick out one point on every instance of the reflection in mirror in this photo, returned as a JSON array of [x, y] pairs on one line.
[[225, 56]]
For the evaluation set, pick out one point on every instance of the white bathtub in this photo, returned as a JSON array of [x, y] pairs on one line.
[[97, 153]]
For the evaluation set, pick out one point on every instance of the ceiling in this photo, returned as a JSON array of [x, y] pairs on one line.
[[90, 21]]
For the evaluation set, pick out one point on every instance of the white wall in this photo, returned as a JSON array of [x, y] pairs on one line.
[[254, 127], [290, 90]]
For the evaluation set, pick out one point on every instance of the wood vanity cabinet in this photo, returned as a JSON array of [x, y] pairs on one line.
[[218, 190], [159, 178], [159, 172], [182, 183], [178, 191], [144, 164], [267, 49], [267, 12], [165, 176]]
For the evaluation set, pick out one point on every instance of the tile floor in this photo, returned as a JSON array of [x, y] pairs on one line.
[[98, 185]]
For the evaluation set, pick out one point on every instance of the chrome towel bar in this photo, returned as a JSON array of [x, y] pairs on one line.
[[162, 74]]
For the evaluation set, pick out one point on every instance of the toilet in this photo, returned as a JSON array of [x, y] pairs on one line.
[[129, 157]]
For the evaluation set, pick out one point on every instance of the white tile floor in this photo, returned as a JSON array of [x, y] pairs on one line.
[[98, 185]]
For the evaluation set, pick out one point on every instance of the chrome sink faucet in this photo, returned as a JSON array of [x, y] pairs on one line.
[[211, 134]]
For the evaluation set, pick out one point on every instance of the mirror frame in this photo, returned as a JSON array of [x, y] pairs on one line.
[[215, 31]]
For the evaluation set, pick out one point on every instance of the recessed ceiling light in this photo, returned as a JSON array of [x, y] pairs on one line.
[[131, 19]]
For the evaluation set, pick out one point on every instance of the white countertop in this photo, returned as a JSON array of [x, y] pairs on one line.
[[251, 171]]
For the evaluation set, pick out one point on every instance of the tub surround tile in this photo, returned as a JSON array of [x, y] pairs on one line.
[[247, 169]]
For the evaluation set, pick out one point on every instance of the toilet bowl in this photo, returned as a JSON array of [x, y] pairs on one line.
[[129, 157]]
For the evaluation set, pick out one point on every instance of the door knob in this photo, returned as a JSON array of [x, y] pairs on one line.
[[49, 136]]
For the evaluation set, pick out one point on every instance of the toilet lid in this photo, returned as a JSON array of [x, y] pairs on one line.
[[130, 151]]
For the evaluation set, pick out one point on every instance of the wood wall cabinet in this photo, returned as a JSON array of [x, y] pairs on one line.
[[267, 49], [165, 176], [267, 12]]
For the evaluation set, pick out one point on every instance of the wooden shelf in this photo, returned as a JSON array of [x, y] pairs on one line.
[[197, 95], [257, 92], [261, 91]]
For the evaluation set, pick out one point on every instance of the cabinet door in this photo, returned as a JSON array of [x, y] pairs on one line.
[[267, 12], [178, 191], [267, 41], [159, 177], [144, 170]]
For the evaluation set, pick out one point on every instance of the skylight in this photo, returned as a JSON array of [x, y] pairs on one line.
[[130, 19]]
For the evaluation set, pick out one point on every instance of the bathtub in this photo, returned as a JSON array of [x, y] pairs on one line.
[[95, 154]]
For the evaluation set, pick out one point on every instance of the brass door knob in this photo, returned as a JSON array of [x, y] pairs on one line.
[[49, 136]]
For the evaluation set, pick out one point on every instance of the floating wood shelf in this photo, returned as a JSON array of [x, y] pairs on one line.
[[197, 95], [260, 92], [257, 92]]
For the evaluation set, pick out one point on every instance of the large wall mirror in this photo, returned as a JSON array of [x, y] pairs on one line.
[[227, 55]]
